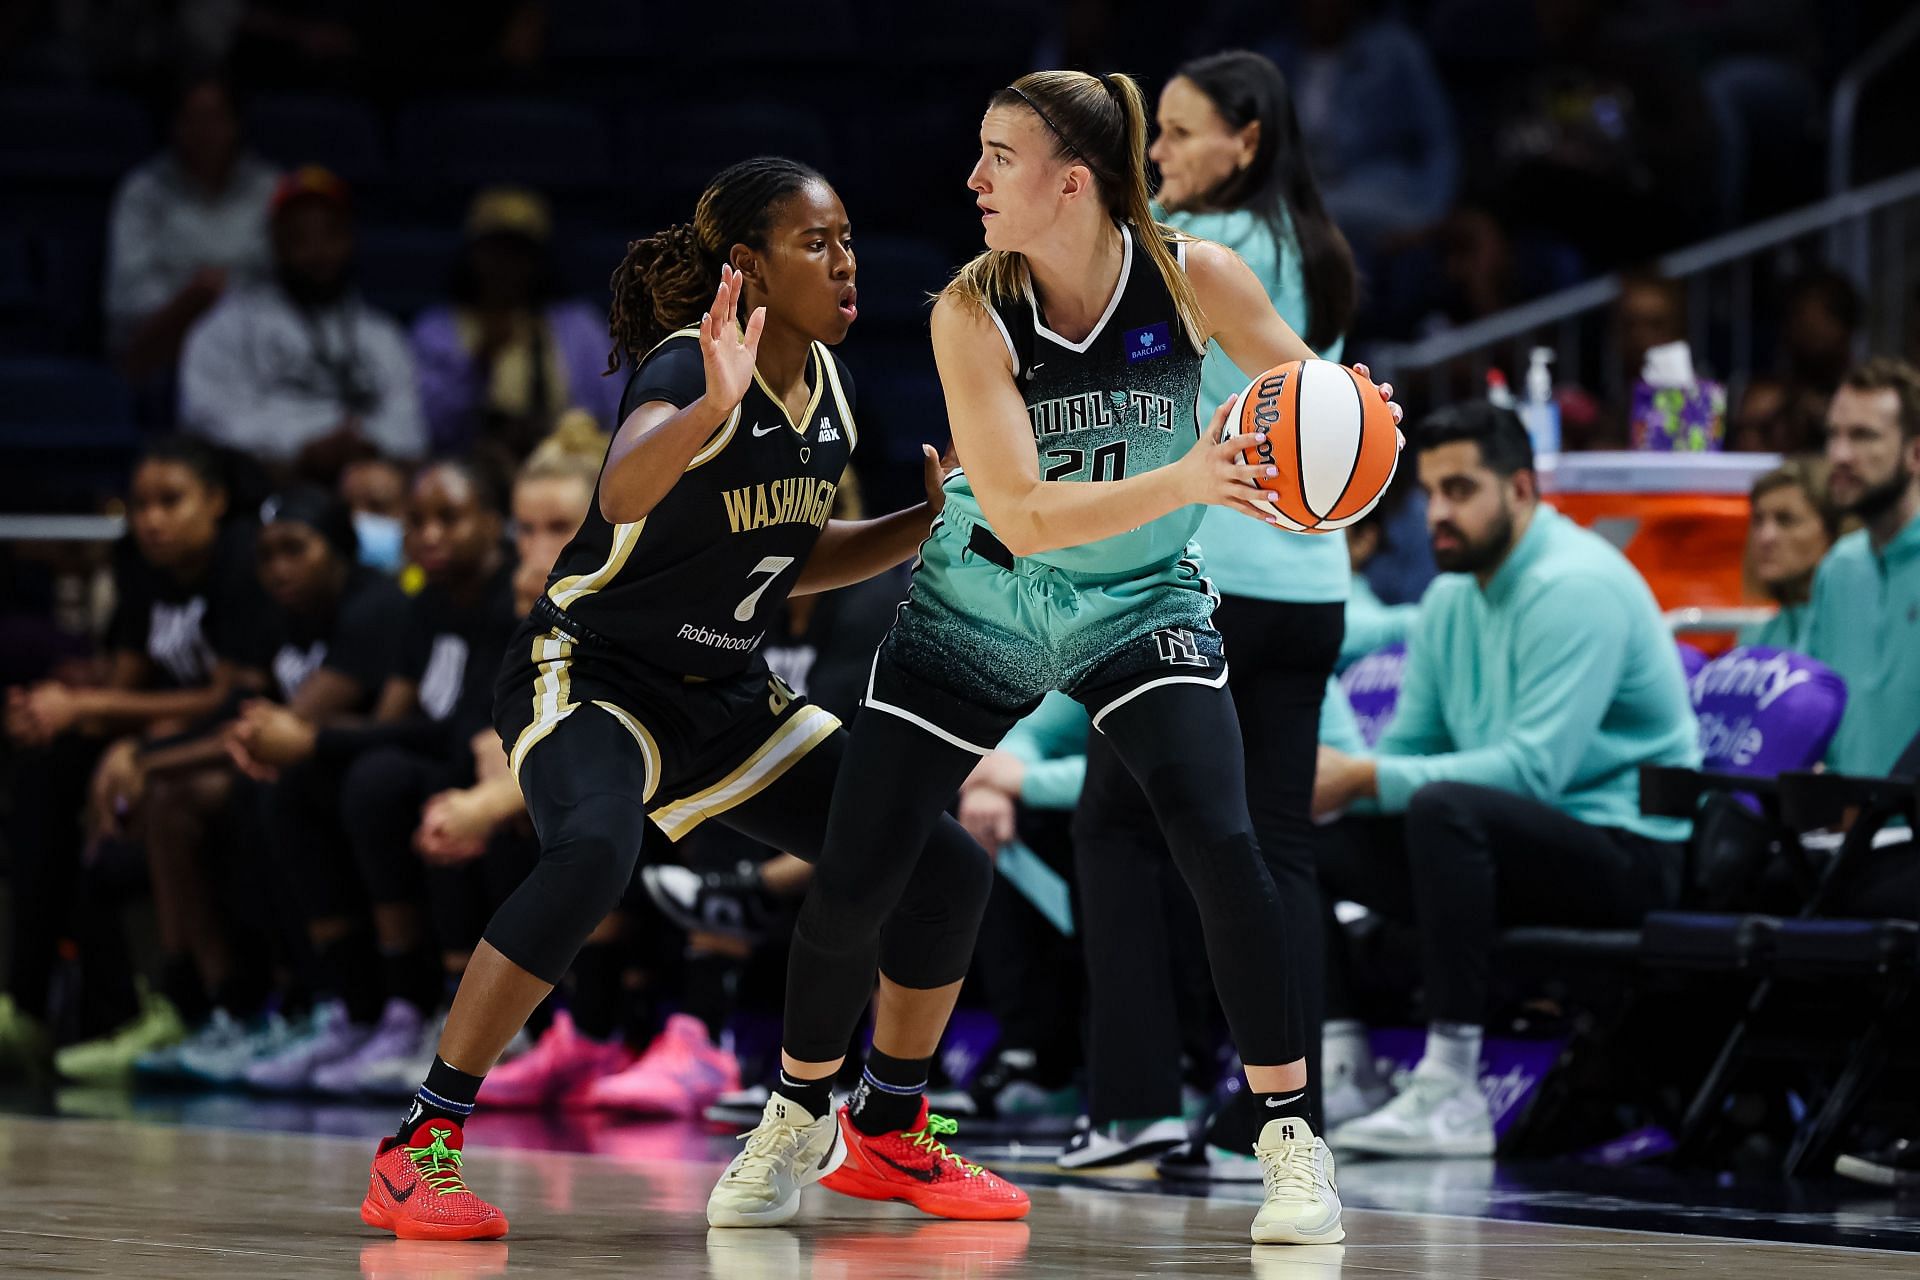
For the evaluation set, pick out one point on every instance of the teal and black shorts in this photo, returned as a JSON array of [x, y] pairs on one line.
[[983, 636]]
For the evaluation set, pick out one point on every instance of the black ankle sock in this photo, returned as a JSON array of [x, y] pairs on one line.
[[597, 996], [448, 1094], [814, 1095], [1292, 1104], [890, 1093], [709, 992], [413, 975]]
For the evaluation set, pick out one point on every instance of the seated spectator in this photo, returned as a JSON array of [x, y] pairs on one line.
[[186, 596], [346, 786], [426, 921], [1371, 622], [375, 490], [1792, 527], [1785, 411], [550, 499], [1820, 316], [1651, 311], [1540, 676], [299, 371], [330, 643], [1376, 118], [186, 226], [1865, 620], [1604, 139], [501, 361]]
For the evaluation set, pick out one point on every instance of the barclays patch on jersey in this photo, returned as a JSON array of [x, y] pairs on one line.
[[1145, 344]]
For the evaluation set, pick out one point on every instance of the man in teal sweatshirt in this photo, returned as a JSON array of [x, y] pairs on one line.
[[1539, 678], [1865, 620]]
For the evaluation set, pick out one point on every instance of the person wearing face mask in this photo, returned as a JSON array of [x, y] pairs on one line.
[[177, 649], [1540, 677], [299, 371], [344, 791], [1866, 595], [375, 490], [1793, 525]]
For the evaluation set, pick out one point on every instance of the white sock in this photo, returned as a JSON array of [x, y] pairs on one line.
[[1453, 1052], [1346, 1055]]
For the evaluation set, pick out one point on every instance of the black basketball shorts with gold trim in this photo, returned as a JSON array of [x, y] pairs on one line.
[[708, 745]]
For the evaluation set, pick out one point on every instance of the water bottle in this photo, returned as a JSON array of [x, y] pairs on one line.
[[1538, 411]]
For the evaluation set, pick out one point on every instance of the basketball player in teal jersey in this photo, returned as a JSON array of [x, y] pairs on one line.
[[1070, 352]]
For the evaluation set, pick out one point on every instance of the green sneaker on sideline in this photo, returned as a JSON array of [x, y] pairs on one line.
[[26, 1047], [110, 1059]]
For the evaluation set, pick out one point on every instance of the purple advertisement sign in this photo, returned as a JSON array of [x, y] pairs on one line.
[[1372, 686], [1763, 711]]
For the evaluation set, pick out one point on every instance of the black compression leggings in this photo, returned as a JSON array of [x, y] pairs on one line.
[[1181, 741], [583, 791]]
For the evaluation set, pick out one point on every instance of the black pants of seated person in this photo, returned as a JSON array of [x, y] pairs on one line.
[[1465, 862]]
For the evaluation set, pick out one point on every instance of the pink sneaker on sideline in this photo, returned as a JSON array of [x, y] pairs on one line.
[[556, 1072], [682, 1073]]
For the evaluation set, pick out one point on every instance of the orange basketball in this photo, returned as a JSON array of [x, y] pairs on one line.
[[1331, 436]]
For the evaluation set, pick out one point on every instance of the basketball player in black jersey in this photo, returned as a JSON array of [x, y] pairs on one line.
[[635, 689]]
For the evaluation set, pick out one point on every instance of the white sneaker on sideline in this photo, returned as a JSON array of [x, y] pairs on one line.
[[1350, 1100], [786, 1151], [1303, 1202], [1435, 1115]]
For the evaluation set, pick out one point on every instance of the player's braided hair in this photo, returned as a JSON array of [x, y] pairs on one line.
[[667, 280]]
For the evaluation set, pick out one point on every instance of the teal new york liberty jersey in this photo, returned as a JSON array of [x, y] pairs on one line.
[[1121, 402]]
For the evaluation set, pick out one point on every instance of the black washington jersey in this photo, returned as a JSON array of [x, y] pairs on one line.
[[694, 586]]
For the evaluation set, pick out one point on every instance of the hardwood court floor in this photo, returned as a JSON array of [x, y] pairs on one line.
[[132, 1199]]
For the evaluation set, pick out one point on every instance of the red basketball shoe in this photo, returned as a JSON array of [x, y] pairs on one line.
[[915, 1166], [416, 1192]]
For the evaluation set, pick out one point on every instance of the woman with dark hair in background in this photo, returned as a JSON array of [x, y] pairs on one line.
[[1234, 171], [186, 597], [345, 789], [500, 363]]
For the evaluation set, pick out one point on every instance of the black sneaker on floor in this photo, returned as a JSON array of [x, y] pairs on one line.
[[732, 903], [1122, 1142], [1895, 1165]]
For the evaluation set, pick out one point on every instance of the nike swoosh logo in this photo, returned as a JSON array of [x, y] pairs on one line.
[[759, 430], [399, 1196], [832, 1147], [918, 1175]]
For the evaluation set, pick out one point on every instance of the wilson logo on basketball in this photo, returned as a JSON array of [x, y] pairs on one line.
[[1329, 435]]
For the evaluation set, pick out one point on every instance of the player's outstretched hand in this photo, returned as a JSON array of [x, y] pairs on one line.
[[727, 353]]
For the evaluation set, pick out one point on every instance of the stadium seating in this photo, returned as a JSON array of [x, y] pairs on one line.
[[463, 144], [345, 136], [50, 137]]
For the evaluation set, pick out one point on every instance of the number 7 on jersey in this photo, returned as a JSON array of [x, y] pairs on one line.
[[772, 566]]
